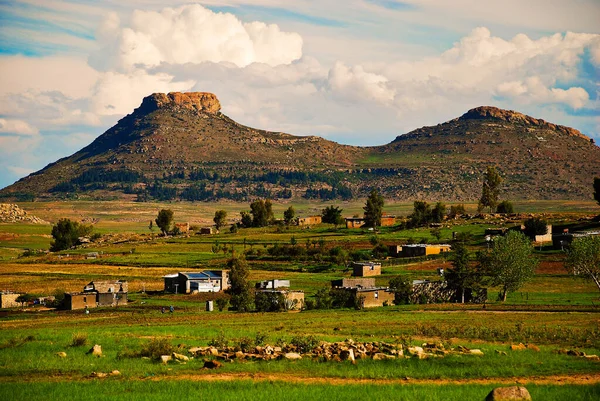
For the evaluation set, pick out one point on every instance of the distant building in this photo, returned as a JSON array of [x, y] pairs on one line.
[[366, 269], [394, 250], [310, 220], [204, 281], [108, 292], [272, 284], [79, 300], [183, 227], [562, 240], [353, 282], [424, 250], [208, 231], [358, 222], [9, 299], [370, 297], [293, 300], [496, 231]]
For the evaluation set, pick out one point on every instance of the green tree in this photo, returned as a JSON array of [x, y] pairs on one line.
[[220, 218], [373, 209], [246, 219], [421, 214], [597, 189], [66, 234], [262, 212], [505, 207], [583, 258], [535, 226], [164, 220], [462, 275], [510, 263], [323, 299], [438, 212], [332, 215], [457, 210], [288, 215], [402, 289], [491, 189], [241, 296]]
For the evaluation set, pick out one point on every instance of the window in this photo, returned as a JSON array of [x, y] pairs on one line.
[[376, 294], [85, 300]]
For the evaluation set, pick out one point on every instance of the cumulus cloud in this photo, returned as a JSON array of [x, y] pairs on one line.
[[533, 90], [356, 83], [192, 34]]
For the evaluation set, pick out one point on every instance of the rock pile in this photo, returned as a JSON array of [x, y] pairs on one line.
[[347, 350], [11, 213]]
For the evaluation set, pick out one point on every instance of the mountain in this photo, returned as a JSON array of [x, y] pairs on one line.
[[180, 146]]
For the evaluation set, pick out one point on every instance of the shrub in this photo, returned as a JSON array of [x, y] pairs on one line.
[[220, 341], [222, 303], [505, 207], [152, 349], [260, 338], [79, 339], [304, 343]]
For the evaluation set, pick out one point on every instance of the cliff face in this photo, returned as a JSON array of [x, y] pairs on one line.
[[202, 102]]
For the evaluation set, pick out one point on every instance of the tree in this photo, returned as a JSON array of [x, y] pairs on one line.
[[421, 214], [262, 212], [438, 212], [246, 219], [583, 258], [332, 215], [164, 220], [457, 210], [66, 234], [505, 207], [220, 218], [597, 189], [510, 263], [373, 209], [535, 226], [288, 215], [491, 189], [402, 289], [241, 297], [462, 276]]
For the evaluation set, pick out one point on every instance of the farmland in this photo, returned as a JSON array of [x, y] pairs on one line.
[[553, 312]]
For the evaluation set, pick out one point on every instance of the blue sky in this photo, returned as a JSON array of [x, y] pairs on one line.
[[356, 71]]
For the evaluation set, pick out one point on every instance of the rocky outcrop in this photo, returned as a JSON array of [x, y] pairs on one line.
[[508, 393], [11, 213], [203, 102], [490, 112]]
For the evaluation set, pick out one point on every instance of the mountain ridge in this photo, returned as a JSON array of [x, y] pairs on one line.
[[180, 146]]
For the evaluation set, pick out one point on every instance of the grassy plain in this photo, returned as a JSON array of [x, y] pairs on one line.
[[553, 311]]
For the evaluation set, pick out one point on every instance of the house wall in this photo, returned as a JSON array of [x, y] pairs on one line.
[[375, 298], [110, 298], [360, 270], [9, 300], [353, 282], [183, 227], [388, 221], [546, 237], [395, 250], [354, 223], [294, 300], [80, 301], [304, 221]]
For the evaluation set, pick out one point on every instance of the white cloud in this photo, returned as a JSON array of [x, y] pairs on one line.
[[17, 127], [192, 34], [356, 83], [533, 90]]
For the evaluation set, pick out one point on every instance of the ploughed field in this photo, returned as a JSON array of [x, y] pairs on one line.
[[555, 317]]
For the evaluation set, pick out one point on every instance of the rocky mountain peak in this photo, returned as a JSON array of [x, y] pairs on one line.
[[490, 112], [196, 101]]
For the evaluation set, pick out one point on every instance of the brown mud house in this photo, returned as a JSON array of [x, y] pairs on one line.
[[98, 293], [310, 220], [365, 269], [193, 282], [414, 250], [363, 292], [9, 299], [359, 222], [294, 299]]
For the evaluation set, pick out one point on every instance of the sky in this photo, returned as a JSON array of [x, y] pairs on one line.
[[358, 72]]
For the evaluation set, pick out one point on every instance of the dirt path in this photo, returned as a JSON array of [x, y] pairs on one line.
[[578, 379]]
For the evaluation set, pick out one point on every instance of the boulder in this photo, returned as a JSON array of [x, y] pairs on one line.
[[533, 347], [115, 373], [61, 354], [508, 393], [476, 352], [96, 350], [415, 350], [165, 359], [212, 364], [98, 374], [519, 347], [180, 357], [292, 356], [213, 351]]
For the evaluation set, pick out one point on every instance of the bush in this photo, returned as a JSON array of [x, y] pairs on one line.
[[304, 343], [219, 342], [152, 349], [79, 339], [505, 207], [222, 303]]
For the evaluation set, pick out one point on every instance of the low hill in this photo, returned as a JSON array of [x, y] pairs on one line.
[[180, 146]]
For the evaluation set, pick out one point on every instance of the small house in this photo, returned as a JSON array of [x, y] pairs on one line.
[[353, 282], [208, 231], [354, 222], [310, 220], [371, 297], [272, 284], [108, 292], [9, 299], [394, 250], [414, 250], [183, 227], [192, 282], [366, 269], [79, 300]]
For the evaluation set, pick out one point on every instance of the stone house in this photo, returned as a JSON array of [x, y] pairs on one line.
[[183, 227], [365, 269], [358, 222], [394, 250], [414, 250], [9, 299], [79, 300], [108, 292], [374, 297], [310, 220], [193, 282], [353, 282], [272, 284], [208, 231], [293, 300]]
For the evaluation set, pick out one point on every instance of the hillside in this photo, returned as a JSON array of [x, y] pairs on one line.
[[180, 146]]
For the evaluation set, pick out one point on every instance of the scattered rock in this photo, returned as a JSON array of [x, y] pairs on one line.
[[533, 347], [508, 393], [11, 213], [476, 352], [96, 350], [180, 357], [292, 356], [519, 347], [592, 357], [98, 374], [115, 373], [61, 354], [212, 364], [165, 359], [501, 352]]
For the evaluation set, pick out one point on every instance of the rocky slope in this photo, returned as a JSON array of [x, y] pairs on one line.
[[180, 146], [10, 213]]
